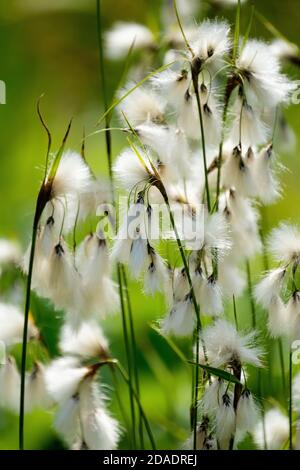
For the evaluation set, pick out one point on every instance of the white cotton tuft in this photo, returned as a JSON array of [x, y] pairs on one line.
[[293, 317], [36, 394], [224, 345], [248, 125], [284, 243], [269, 287], [12, 323], [9, 385], [157, 277], [181, 319], [87, 342], [263, 83], [100, 430], [225, 421], [247, 415], [212, 397], [63, 377], [10, 252], [171, 85], [268, 187], [278, 320], [213, 41], [275, 430], [123, 36], [142, 105], [238, 173], [210, 297], [129, 171], [231, 279], [73, 176]]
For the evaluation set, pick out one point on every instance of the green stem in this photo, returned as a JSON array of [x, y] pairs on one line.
[[147, 425], [195, 380], [235, 313], [134, 351], [127, 351], [250, 292], [290, 401], [25, 334], [282, 366], [104, 90], [195, 75], [119, 268]]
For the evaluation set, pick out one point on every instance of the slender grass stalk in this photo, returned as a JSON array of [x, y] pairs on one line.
[[25, 334], [250, 293], [290, 401], [144, 417], [264, 215], [195, 379], [134, 351], [195, 79], [238, 387], [235, 313], [120, 404], [254, 323], [104, 90], [128, 354]]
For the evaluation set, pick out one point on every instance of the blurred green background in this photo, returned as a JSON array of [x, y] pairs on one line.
[[50, 46]]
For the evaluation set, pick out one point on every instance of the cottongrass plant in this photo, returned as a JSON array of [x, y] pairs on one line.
[[201, 140]]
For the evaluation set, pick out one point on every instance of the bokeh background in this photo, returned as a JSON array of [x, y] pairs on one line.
[[50, 47]]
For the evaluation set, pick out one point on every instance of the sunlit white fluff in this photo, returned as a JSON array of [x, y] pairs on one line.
[[63, 377], [11, 324], [36, 394], [100, 430], [172, 85], [269, 287], [247, 125], [213, 41], [293, 316], [224, 345], [242, 217], [100, 296], [210, 297], [73, 176], [212, 397], [247, 415], [157, 277], [238, 173], [129, 171], [278, 319], [181, 285], [64, 283], [123, 35], [263, 81], [284, 243], [88, 341], [10, 251], [230, 278], [225, 421], [267, 183], [275, 429], [188, 116], [142, 105], [216, 234], [9, 385], [284, 50], [180, 321]]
